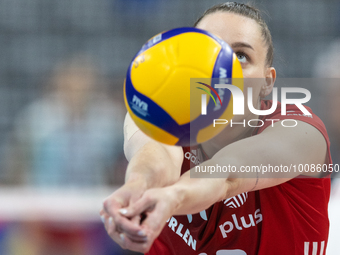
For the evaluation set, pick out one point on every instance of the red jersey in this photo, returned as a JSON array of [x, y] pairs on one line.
[[287, 219]]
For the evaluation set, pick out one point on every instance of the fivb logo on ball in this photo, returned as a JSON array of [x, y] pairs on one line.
[[238, 102]]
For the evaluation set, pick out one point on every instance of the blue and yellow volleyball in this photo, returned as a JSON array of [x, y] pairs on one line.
[[161, 86]]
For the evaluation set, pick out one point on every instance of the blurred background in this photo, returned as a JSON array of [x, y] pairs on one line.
[[62, 66]]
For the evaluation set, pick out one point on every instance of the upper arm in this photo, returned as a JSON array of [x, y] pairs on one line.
[[302, 144], [279, 147]]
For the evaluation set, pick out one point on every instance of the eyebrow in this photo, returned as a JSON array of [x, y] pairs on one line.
[[242, 44]]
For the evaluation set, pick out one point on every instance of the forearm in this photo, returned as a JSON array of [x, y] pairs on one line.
[[155, 165], [306, 146], [193, 195], [151, 163]]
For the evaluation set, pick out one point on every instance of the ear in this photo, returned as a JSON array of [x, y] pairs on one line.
[[267, 87]]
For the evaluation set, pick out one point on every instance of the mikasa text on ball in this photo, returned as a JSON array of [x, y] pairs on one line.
[[162, 90]]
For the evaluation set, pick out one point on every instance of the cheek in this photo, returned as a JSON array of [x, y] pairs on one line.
[[253, 71]]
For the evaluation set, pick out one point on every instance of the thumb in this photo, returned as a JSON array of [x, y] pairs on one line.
[[137, 208]]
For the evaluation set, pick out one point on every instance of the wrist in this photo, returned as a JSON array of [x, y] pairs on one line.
[[176, 195], [138, 180]]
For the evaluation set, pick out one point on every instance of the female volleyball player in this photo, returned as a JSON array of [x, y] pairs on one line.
[[161, 210]]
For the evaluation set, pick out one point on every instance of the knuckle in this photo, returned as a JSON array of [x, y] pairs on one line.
[[106, 206], [147, 197], [106, 202]]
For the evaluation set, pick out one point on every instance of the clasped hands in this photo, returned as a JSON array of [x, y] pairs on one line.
[[134, 217]]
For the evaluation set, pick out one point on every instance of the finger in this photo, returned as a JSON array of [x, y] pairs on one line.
[[102, 212], [155, 220], [116, 226], [136, 210], [103, 216], [110, 206], [127, 243], [123, 224], [144, 204], [141, 236], [117, 236], [136, 220], [128, 226], [103, 219], [136, 239], [112, 232], [115, 201]]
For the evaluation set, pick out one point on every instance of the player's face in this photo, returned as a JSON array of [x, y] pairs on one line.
[[244, 36]]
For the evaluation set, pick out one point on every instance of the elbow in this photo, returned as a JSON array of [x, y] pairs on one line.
[[232, 187]]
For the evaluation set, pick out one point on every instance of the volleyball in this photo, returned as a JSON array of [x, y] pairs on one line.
[[166, 80]]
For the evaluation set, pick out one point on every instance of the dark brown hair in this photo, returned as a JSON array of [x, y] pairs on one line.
[[249, 12]]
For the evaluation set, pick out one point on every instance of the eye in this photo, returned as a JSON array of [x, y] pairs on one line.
[[242, 57]]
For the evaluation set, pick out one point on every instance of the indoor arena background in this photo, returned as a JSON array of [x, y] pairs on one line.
[[62, 65]]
